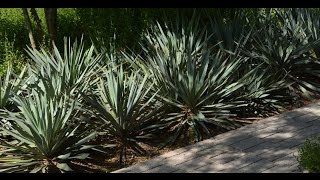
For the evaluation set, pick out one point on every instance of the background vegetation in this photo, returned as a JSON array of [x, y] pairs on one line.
[[124, 27], [127, 79], [309, 157]]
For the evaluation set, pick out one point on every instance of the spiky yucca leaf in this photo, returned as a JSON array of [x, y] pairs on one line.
[[308, 18], [285, 49], [45, 135], [195, 85], [264, 93], [75, 67], [124, 108], [226, 33], [9, 85]]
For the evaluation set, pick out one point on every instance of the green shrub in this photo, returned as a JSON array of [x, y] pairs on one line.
[[127, 24], [103, 23], [309, 155], [10, 56], [12, 27]]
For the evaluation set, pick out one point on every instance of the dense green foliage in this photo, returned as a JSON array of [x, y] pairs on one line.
[[195, 84], [155, 77], [101, 25], [309, 155], [124, 109], [48, 129]]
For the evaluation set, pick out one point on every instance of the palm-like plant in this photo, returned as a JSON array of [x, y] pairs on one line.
[[285, 49], [226, 32], [309, 18], [46, 135], [125, 109], [197, 86], [264, 93], [9, 85], [75, 68]]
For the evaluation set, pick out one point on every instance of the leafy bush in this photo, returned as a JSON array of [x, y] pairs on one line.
[[127, 24], [309, 155], [10, 57], [13, 28]]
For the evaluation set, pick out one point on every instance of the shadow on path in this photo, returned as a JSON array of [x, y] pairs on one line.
[[269, 145]]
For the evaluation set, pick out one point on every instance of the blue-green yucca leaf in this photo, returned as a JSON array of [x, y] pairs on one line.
[[11, 84], [189, 78], [287, 49], [73, 70], [124, 108], [227, 33], [46, 131], [263, 92]]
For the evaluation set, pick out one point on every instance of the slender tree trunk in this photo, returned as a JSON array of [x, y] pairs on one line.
[[29, 27], [121, 156], [39, 30], [51, 19]]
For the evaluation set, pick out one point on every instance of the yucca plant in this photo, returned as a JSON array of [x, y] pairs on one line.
[[309, 18], [47, 133], [10, 84], [75, 67], [286, 51], [227, 32], [265, 93], [195, 85], [124, 108]]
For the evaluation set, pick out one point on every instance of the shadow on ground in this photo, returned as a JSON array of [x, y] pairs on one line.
[[270, 145]]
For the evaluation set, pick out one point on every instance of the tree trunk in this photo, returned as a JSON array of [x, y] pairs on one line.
[[51, 19], [121, 156], [39, 30], [29, 27]]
